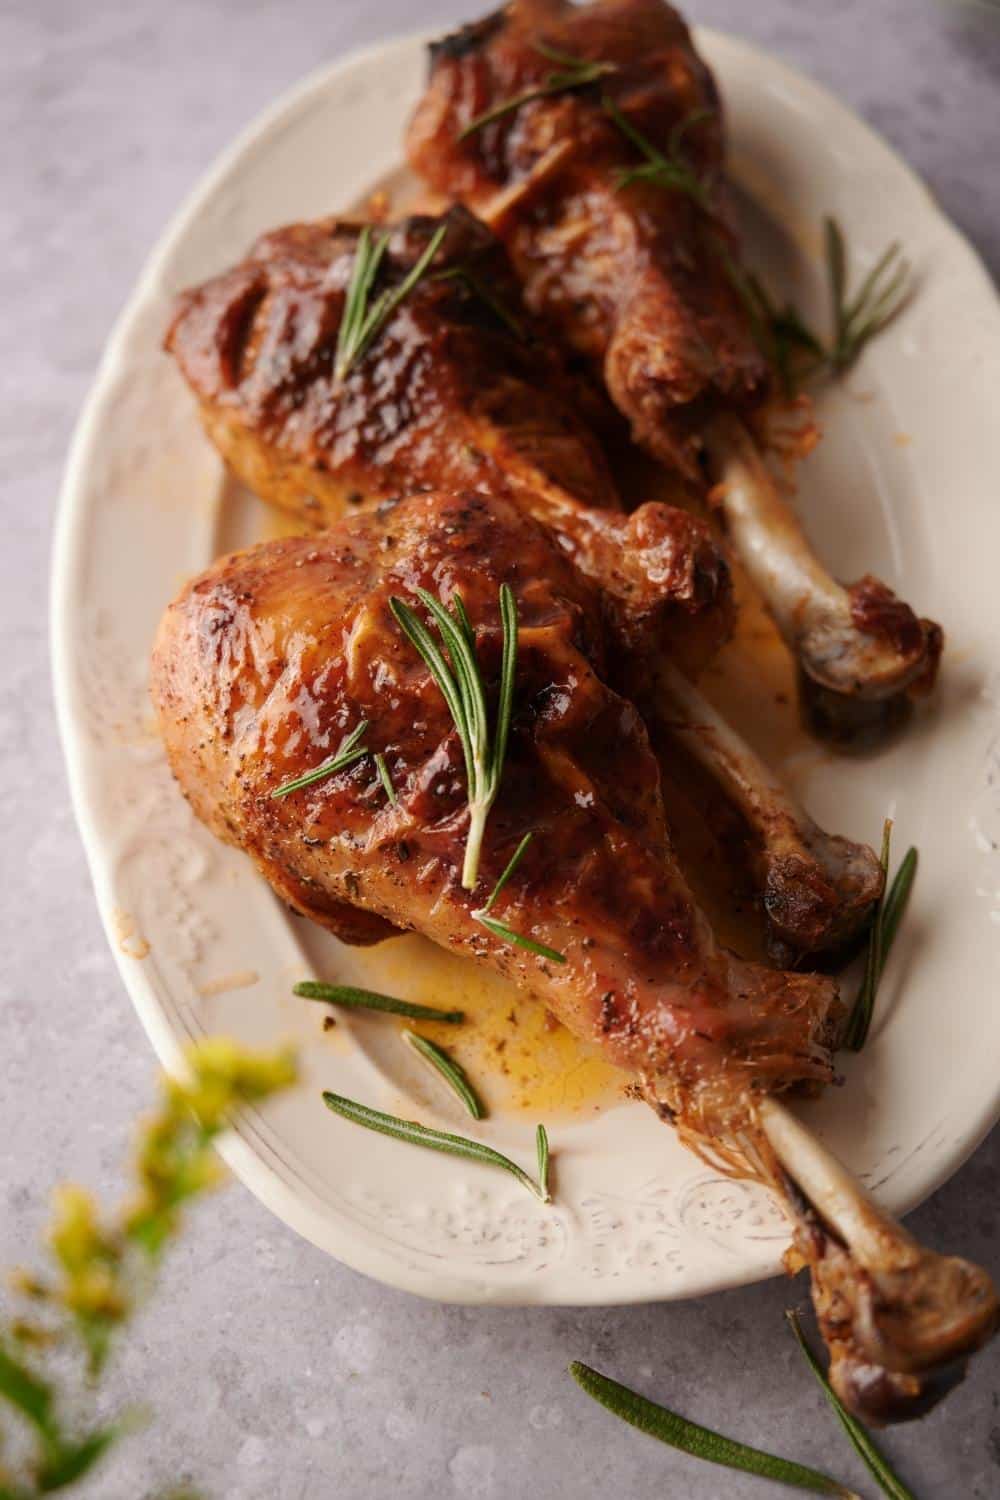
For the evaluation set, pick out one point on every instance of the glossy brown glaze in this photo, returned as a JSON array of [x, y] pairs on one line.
[[637, 279], [267, 661], [449, 396]]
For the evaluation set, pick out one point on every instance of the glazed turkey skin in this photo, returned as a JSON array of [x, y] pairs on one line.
[[265, 663]]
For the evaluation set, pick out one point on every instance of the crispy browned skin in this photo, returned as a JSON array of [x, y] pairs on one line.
[[633, 278], [264, 664], [643, 281], [449, 396]]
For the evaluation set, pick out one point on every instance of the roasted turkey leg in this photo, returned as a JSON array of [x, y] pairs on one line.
[[488, 410], [640, 277], [267, 661]]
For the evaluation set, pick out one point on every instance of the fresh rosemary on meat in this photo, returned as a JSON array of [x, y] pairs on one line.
[[358, 999], [500, 929], [436, 1140], [453, 1074], [386, 779], [881, 936], [363, 319], [572, 73], [796, 351], [673, 170], [464, 690], [350, 751]]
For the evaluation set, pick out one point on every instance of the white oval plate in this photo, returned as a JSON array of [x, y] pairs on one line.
[[905, 484]]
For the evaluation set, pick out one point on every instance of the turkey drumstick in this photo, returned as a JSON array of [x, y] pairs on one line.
[[609, 196], [269, 660], [452, 394]]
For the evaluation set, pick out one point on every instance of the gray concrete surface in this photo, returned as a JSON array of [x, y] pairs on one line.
[[273, 1373]]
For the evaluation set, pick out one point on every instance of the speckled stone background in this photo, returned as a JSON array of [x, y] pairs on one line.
[[273, 1373]]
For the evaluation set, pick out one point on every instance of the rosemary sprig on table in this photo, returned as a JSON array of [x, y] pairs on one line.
[[464, 690], [877, 1464], [797, 352], [350, 751], [881, 936], [454, 1075], [436, 1140], [572, 73], [500, 929], [701, 1442], [350, 995], [672, 170], [363, 319]]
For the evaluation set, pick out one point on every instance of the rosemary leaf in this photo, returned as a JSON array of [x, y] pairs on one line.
[[362, 319], [500, 929], [450, 1071], [461, 684], [701, 1442], [542, 1150], [349, 995], [572, 73], [386, 779], [878, 1466], [348, 753], [479, 289], [423, 1135], [672, 171], [881, 937]]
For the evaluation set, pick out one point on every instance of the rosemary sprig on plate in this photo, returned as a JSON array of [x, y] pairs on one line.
[[349, 995], [454, 1075], [350, 750], [364, 319], [464, 690], [878, 1466], [436, 1140], [500, 929], [797, 352], [542, 1151], [672, 170], [570, 74], [881, 936], [701, 1442]]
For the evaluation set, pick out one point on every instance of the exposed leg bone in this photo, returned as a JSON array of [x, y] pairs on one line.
[[817, 889], [855, 645], [900, 1321]]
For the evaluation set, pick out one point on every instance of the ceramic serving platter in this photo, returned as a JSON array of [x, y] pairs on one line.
[[904, 484]]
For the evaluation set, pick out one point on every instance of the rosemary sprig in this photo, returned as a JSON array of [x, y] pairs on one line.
[[479, 289], [885, 925], [436, 1140], [454, 1075], [363, 319], [700, 1442], [877, 1464], [350, 751], [386, 779], [500, 929], [673, 170], [542, 1151], [572, 73], [797, 351], [464, 691], [349, 995]]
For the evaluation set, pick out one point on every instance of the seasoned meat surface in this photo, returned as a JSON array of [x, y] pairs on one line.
[[266, 662], [637, 276], [452, 395]]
